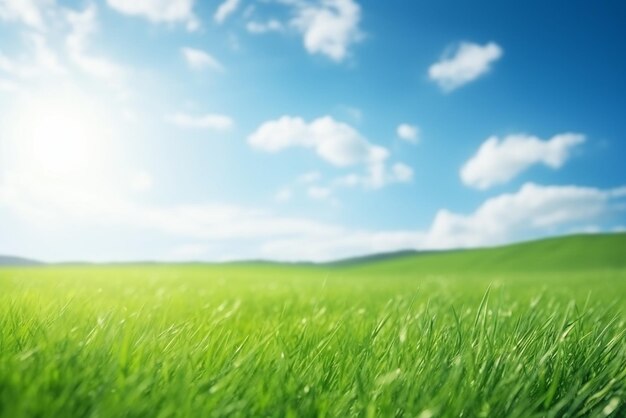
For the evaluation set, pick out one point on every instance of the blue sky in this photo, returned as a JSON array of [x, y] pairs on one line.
[[306, 129]]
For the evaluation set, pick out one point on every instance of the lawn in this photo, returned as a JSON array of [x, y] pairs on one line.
[[528, 330]]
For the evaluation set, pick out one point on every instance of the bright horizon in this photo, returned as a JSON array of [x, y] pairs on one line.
[[305, 130]]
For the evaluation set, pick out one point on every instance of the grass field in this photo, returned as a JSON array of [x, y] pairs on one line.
[[529, 330]]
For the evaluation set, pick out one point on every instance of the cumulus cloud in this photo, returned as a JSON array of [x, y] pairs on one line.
[[210, 121], [199, 60], [401, 173], [408, 133], [534, 208], [335, 142], [499, 160], [328, 27], [464, 64], [227, 8], [271, 25], [159, 11]]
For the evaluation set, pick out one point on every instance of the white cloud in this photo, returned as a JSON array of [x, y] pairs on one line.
[[211, 121], [377, 176], [28, 12], [335, 142], [409, 133], [222, 225], [199, 60], [43, 60], [40, 61], [269, 235], [159, 11], [498, 161], [533, 208], [248, 232], [258, 28], [401, 173], [78, 204], [83, 26], [329, 27], [339, 243], [225, 9], [466, 63]]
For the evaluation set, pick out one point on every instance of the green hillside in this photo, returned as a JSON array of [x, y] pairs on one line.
[[570, 253]]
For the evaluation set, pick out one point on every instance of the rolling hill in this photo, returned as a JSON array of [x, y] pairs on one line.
[[575, 252], [566, 253], [17, 261]]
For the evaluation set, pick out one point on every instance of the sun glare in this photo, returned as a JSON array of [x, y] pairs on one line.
[[61, 141], [59, 137]]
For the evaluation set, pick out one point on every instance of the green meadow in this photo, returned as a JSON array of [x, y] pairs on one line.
[[529, 330]]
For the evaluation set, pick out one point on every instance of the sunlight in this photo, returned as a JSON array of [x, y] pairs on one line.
[[59, 138], [59, 135], [62, 140]]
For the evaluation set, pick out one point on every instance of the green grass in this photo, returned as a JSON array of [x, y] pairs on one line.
[[535, 329]]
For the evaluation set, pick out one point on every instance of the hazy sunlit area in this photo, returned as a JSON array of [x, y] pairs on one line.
[[327, 208]]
